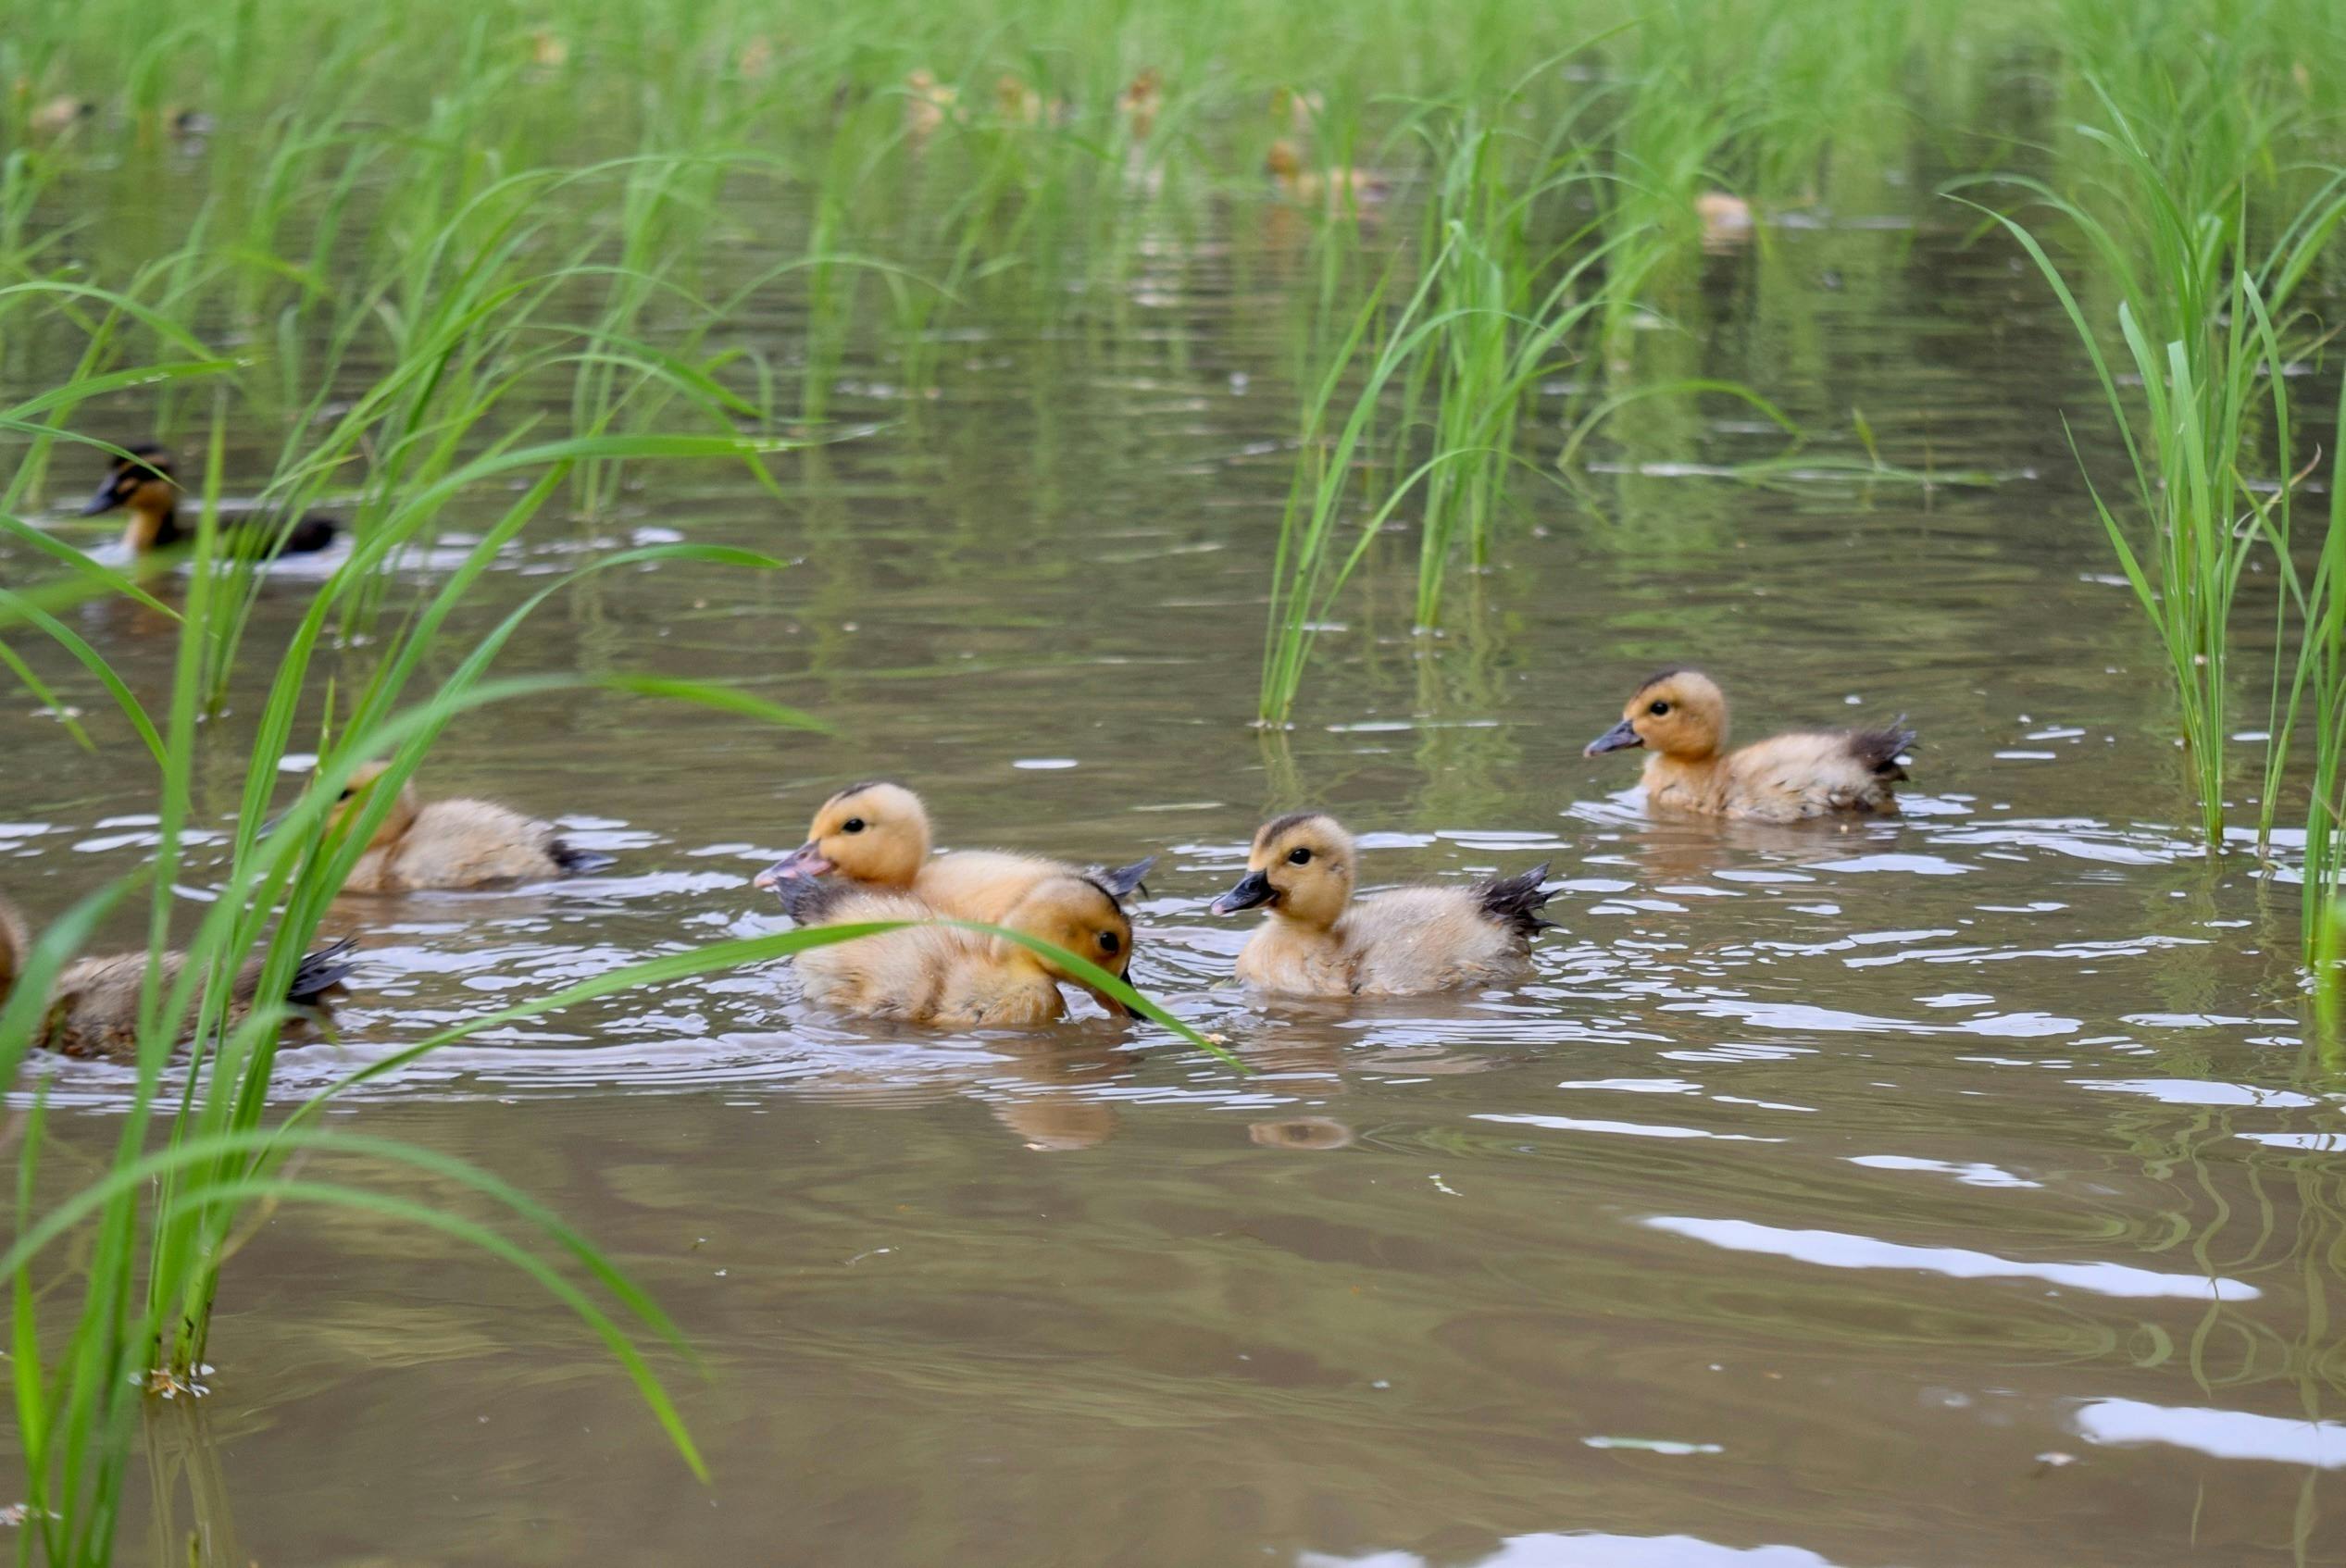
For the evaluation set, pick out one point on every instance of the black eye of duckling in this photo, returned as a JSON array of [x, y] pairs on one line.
[[343, 796], [1109, 942], [853, 825], [1658, 709], [1300, 858]]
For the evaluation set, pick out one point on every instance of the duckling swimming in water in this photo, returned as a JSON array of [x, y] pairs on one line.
[[93, 1007], [445, 844], [143, 482], [942, 975], [1681, 716], [1335, 186], [878, 834], [1318, 941]]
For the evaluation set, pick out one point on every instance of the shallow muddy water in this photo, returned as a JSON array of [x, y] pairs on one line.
[[1944, 1191]]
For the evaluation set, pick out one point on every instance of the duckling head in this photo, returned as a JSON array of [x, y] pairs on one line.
[[1302, 866], [876, 832], [1679, 713], [1079, 914], [1283, 160], [143, 482], [354, 797]]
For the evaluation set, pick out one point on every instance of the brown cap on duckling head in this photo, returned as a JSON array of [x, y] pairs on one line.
[[1302, 864], [142, 479], [354, 800], [1679, 713], [875, 832]]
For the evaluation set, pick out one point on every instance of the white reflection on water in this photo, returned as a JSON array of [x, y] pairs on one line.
[[1833, 1249], [2223, 1434], [1596, 1551]]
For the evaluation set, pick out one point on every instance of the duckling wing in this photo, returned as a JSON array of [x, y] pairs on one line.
[[1817, 773], [95, 1009], [471, 844], [1427, 939]]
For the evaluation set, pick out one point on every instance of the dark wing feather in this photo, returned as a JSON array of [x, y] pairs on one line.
[[810, 900], [576, 862], [1515, 901], [1878, 750], [321, 972]]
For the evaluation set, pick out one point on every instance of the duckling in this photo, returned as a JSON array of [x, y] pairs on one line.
[[143, 482], [1319, 942], [1020, 104], [1727, 220], [1143, 97], [927, 103], [942, 975], [54, 116], [93, 1007], [1334, 186], [1681, 716], [877, 834], [454, 844]]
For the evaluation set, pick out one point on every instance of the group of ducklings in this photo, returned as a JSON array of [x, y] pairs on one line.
[[868, 860]]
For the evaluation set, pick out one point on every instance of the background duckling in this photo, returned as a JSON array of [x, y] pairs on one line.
[[1318, 941], [878, 834], [93, 1007], [1141, 101], [143, 482], [942, 975], [1681, 717], [1284, 160], [454, 844]]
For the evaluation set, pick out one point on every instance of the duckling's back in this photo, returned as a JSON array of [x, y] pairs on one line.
[[981, 885], [923, 974], [469, 844], [1429, 938], [1817, 773]]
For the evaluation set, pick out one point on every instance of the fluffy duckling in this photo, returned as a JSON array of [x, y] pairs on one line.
[[942, 975], [1143, 99], [1334, 186], [1319, 942], [1681, 717], [927, 103], [93, 1007], [1727, 220], [877, 834], [143, 482], [454, 844], [54, 116]]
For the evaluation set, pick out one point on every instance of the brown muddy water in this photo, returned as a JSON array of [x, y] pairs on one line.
[[1948, 1191]]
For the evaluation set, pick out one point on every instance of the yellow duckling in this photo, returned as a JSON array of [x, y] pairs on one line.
[[1319, 942], [454, 844], [54, 116], [1333, 186], [1681, 717], [878, 834], [93, 1007], [942, 975], [927, 103], [143, 482]]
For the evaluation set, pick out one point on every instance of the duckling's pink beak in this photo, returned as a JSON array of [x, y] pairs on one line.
[[804, 860], [1620, 737]]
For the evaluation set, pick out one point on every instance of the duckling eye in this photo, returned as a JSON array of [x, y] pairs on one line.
[[853, 825], [1300, 858], [1658, 709], [1109, 941], [343, 796]]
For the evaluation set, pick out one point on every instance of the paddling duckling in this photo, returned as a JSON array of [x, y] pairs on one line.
[[943, 974], [143, 482], [1335, 186], [1141, 100], [1681, 716], [927, 103], [446, 844], [877, 834], [93, 1007], [1318, 941]]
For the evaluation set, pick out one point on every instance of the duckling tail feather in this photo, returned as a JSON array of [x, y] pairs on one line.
[[321, 972], [1878, 750], [576, 862], [1515, 901]]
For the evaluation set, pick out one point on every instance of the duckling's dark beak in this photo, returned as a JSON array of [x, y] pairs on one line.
[[804, 860], [110, 495], [1620, 737], [1115, 1009], [1254, 889]]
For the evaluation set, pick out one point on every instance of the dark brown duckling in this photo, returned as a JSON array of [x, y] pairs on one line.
[[93, 1007], [143, 482]]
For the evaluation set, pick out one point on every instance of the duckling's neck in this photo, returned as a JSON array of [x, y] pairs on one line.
[[1684, 780], [152, 528]]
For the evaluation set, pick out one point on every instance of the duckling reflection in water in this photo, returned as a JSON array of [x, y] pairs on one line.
[[1319, 941], [878, 834], [948, 975], [93, 1006], [1681, 717], [450, 845], [143, 482]]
